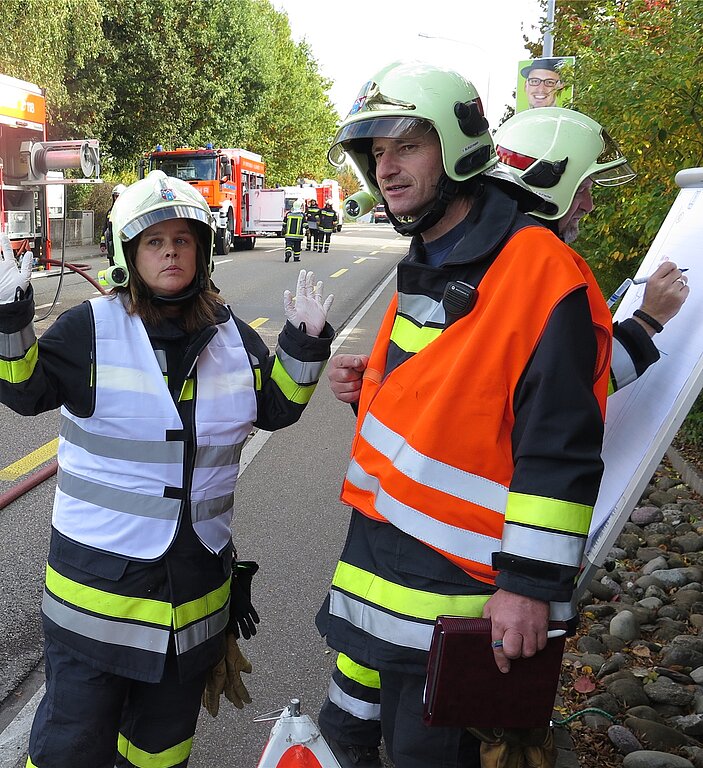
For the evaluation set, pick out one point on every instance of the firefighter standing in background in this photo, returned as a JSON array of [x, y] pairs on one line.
[[293, 225], [328, 221], [105, 241], [312, 223], [139, 602]]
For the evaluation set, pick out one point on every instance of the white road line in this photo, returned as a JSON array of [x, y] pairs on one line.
[[13, 740], [224, 261]]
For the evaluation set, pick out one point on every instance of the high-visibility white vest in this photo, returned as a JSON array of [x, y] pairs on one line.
[[120, 483]]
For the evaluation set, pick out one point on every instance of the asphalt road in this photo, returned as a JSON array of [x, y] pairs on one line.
[[288, 516]]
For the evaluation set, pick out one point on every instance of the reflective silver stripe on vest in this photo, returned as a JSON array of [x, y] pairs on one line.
[[430, 472], [198, 633], [448, 538], [208, 509], [123, 633], [218, 455], [138, 504], [621, 366], [145, 451], [15, 345], [547, 546], [357, 707], [405, 633], [421, 309], [301, 372]]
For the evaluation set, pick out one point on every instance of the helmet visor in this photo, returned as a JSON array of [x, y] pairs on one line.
[[148, 219], [618, 170], [375, 127]]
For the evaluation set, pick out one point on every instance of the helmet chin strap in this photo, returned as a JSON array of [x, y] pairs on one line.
[[193, 290], [447, 190]]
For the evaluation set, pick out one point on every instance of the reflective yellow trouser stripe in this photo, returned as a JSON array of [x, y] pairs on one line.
[[360, 674], [166, 759]]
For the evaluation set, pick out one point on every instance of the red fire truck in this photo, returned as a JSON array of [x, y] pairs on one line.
[[28, 162], [232, 181]]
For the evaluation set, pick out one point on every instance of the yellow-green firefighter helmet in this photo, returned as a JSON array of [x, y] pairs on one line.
[[553, 150], [405, 96], [156, 198]]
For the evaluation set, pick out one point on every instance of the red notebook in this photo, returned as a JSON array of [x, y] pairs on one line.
[[465, 688]]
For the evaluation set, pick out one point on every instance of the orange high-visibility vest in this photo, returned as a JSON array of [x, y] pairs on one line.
[[432, 452]]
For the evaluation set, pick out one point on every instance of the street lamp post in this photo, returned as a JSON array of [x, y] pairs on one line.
[[472, 45]]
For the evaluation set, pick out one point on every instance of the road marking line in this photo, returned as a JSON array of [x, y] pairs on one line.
[[339, 272], [259, 321], [224, 261], [13, 740], [358, 261], [30, 461], [44, 306]]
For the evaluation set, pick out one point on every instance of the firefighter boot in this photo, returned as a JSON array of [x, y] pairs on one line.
[[354, 755], [289, 253]]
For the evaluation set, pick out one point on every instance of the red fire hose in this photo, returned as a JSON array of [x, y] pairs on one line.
[[28, 483]]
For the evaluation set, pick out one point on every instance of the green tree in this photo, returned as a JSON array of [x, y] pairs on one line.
[[47, 42], [296, 122], [638, 72]]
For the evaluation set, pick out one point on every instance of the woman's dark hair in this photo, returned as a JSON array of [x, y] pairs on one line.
[[196, 312]]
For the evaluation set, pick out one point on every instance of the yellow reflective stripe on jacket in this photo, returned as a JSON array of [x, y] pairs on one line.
[[106, 603], [187, 390], [360, 674], [202, 606], [404, 600], [293, 391], [409, 337], [166, 759], [542, 512], [17, 371]]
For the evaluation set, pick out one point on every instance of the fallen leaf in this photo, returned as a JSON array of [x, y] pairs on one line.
[[584, 684]]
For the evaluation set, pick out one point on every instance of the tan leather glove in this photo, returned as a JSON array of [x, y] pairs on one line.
[[226, 676], [516, 747]]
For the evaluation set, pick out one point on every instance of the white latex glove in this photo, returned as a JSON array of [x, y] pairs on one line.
[[308, 306], [13, 277]]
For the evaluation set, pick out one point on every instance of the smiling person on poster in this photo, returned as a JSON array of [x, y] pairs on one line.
[[159, 385]]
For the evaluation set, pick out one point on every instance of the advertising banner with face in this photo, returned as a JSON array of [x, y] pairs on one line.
[[546, 82]]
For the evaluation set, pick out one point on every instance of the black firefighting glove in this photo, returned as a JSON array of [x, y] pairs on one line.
[[243, 617]]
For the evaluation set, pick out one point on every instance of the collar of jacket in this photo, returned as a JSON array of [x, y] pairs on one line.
[[492, 218]]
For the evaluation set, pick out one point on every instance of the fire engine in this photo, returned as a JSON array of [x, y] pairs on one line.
[[232, 182], [29, 163]]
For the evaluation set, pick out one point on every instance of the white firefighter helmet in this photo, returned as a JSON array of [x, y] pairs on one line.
[[553, 150], [156, 198], [117, 190], [403, 99]]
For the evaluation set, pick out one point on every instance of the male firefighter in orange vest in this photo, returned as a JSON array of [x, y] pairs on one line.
[[476, 461], [526, 145]]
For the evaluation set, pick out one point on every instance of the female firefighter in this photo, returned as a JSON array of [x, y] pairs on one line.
[[159, 386]]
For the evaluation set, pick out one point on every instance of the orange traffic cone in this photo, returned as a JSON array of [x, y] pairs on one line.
[[295, 741]]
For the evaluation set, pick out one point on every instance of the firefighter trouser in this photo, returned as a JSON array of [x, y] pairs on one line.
[[294, 246], [409, 742], [311, 233], [351, 713], [325, 237], [92, 719]]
